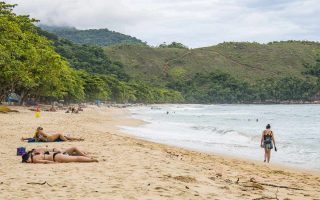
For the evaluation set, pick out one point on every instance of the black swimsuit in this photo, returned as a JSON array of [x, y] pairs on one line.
[[267, 140], [54, 155], [44, 154]]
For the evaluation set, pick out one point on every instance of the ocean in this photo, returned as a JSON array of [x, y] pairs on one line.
[[235, 130]]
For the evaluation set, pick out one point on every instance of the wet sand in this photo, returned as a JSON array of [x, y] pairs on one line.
[[131, 168]]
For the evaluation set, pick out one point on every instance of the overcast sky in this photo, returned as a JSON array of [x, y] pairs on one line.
[[194, 23]]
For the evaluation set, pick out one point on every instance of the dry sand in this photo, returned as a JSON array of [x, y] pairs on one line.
[[130, 168]]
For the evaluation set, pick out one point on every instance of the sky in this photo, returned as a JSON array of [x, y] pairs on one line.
[[195, 23]]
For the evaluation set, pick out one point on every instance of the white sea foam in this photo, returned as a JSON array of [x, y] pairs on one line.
[[236, 129]]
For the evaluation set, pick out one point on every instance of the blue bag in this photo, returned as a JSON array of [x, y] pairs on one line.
[[21, 151]]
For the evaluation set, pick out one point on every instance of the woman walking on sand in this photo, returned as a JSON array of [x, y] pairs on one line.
[[266, 142]]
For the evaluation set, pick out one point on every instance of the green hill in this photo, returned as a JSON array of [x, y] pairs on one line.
[[100, 37], [232, 72], [248, 61]]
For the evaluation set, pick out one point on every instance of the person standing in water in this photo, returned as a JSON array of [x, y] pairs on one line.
[[266, 142]]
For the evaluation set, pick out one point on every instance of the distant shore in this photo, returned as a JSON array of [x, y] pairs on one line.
[[131, 168], [123, 105], [287, 102]]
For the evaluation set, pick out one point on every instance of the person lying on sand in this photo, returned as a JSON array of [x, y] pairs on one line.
[[53, 157], [41, 136], [72, 151]]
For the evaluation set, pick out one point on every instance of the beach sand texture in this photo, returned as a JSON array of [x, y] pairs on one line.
[[131, 168]]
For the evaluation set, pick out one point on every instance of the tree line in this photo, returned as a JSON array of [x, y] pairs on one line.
[[99, 37], [220, 87]]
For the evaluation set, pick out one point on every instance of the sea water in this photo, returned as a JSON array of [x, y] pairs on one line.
[[235, 130]]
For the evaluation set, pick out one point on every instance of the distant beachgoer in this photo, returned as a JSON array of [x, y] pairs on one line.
[[267, 139], [69, 110], [41, 136], [52, 109], [80, 108], [53, 157]]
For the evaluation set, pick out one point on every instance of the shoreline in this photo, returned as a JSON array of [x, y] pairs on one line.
[[132, 168], [221, 155], [277, 162]]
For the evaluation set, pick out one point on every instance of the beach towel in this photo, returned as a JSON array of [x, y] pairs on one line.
[[33, 140]]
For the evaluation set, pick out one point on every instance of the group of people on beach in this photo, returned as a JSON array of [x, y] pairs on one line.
[[72, 109], [45, 155]]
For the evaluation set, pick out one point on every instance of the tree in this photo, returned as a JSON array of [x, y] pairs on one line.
[[173, 45], [29, 64]]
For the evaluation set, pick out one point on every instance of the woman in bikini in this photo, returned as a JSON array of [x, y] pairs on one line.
[[41, 136], [53, 157], [72, 151], [267, 139]]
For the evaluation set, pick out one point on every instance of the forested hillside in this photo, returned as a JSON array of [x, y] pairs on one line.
[[248, 61], [100, 37], [228, 72]]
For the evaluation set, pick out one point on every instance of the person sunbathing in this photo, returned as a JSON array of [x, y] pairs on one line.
[[53, 157], [72, 151], [41, 136]]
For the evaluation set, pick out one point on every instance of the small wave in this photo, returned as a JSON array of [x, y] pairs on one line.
[[227, 132]]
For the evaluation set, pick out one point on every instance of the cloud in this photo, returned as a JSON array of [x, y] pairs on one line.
[[192, 22]]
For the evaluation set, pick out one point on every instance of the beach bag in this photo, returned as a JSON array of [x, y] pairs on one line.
[[21, 151]]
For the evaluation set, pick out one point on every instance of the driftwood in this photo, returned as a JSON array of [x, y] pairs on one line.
[[280, 186], [35, 183], [254, 185], [272, 185], [259, 185], [261, 198]]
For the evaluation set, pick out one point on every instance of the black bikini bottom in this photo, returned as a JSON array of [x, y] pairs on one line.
[[54, 155]]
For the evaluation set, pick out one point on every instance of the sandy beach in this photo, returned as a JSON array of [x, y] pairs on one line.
[[131, 168]]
